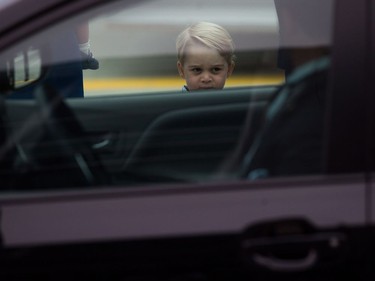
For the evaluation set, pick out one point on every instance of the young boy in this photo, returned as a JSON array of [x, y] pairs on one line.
[[205, 54]]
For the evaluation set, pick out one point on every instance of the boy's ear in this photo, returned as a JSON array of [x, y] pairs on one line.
[[180, 69], [230, 69]]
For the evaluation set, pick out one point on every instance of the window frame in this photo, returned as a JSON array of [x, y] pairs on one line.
[[347, 124], [348, 76]]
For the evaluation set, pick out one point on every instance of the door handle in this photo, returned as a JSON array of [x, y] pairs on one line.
[[101, 144], [103, 141], [277, 264], [301, 249]]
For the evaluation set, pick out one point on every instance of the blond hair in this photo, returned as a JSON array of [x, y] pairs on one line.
[[208, 34]]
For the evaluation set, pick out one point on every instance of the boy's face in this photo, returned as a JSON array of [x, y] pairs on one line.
[[204, 68]]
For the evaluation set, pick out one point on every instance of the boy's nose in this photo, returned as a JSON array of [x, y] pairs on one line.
[[206, 77]]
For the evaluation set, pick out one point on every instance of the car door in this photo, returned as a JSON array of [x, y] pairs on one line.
[[305, 226]]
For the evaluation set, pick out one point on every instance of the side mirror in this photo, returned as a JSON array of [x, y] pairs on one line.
[[21, 69]]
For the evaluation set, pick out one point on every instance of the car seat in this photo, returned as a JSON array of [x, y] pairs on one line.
[[291, 139]]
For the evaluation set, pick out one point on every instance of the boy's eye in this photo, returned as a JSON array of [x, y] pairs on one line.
[[216, 69], [196, 70]]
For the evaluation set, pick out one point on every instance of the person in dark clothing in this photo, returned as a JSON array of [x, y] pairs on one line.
[[83, 37], [62, 67]]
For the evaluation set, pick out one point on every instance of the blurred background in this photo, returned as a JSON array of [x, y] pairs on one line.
[[136, 45]]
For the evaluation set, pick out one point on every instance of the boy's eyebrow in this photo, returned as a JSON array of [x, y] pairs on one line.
[[194, 65], [199, 65]]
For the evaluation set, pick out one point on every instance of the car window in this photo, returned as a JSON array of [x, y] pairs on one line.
[[99, 99], [136, 47]]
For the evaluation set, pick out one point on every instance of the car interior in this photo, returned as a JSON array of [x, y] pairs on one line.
[[182, 137]]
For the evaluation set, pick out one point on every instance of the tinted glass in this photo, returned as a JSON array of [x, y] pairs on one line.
[[137, 46], [129, 122]]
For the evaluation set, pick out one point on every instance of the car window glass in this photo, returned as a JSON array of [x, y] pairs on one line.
[[137, 46], [110, 110]]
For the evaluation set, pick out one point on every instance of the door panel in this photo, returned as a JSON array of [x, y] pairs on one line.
[[141, 213], [210, 232], [157, 137]]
